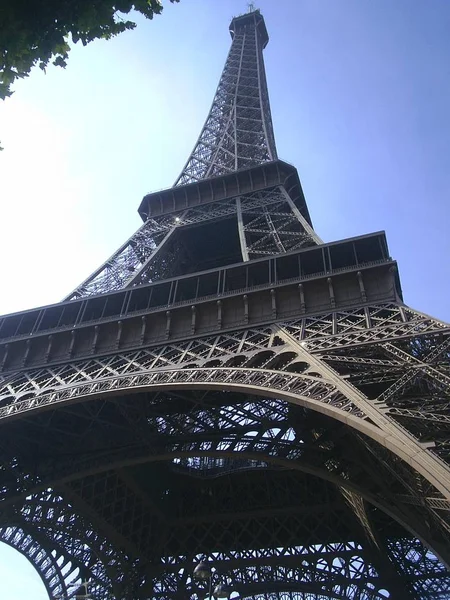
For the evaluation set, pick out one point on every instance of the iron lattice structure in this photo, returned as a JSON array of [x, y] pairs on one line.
[[228, 387]]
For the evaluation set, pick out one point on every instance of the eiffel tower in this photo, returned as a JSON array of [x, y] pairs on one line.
[[227, 387]]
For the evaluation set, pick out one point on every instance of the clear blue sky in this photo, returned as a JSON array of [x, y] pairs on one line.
[[360, 95]]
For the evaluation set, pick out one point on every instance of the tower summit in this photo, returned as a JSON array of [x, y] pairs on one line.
[[228, 388], [238, 131]]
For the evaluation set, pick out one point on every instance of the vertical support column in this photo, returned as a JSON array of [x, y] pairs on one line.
[[133, 279], [306, 226], [241, 230], [374, 548]]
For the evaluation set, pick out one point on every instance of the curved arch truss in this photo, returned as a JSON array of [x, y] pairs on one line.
[[307, 459]]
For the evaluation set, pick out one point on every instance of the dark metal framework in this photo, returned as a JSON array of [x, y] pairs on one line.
[[238, 132], [228, 387]]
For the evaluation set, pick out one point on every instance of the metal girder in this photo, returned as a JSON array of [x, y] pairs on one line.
[[271, 224], [273, 362], [40, 552]]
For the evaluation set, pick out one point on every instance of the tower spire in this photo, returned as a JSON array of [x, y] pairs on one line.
[[238, 131]]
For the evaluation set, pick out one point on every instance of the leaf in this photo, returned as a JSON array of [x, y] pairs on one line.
[[60, 62]]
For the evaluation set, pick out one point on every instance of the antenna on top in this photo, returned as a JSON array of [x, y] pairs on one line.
[[251, 7]]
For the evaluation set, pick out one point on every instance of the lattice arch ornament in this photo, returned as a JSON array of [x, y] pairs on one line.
[[227, 387], [246, 382]]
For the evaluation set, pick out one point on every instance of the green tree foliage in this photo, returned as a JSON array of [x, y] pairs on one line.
[[38, 31]]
